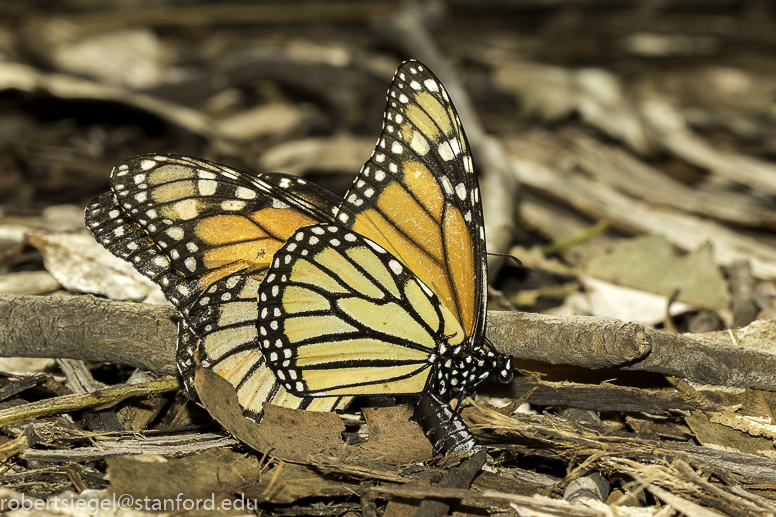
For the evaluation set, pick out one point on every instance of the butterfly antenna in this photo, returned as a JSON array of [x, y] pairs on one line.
[[517, 260]]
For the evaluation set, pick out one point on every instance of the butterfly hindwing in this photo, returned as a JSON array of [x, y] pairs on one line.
[[417, 196], [339, 315], [206, 234], [225, 316]]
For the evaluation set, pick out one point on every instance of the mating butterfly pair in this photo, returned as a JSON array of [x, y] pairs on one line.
[[383, 292]]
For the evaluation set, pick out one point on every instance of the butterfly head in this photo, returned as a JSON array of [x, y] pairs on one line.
[[502, 370]]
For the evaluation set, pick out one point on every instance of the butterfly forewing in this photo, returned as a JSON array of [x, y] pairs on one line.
[[208, 219], [417, 196], [113, 229], [206, 234], [339, 315]]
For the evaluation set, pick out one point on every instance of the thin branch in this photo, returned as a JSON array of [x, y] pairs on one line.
[[98, 399], [94, 329]]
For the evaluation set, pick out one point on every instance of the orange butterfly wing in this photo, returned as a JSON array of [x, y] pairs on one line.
[[418, 197]]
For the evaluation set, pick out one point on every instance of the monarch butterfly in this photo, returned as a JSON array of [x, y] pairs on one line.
[[206, 233], [391, 299]]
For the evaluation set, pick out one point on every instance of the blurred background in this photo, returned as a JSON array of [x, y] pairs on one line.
[[625, 149]]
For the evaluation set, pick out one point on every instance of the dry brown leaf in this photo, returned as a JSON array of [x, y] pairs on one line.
[[287, 483], [650, 264], [669, 129], [624, 303], [554, 92], [216, 470], [14, 76], [720, 436], [286, 434], [393, 438], [335, 154], [745, 423], [273, 120], [686, 232], [298, 435], [79, 263], [28, 282]]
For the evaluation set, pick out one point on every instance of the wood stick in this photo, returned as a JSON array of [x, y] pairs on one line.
[[144, 336], [91, 329]]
